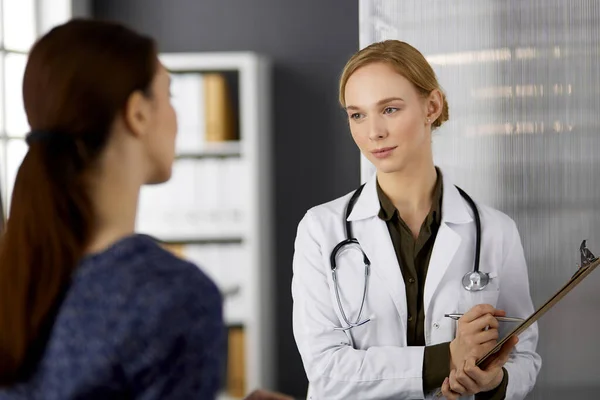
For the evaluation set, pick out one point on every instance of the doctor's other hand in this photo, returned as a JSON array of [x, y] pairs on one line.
[[476, 334], [470, 379], [261, 394], [447, 392]]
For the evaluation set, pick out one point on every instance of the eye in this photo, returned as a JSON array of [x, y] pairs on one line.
[[355, 116], [389, 110]]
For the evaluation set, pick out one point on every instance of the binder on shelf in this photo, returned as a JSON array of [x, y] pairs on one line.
[[236, 362], [188, 101], [2, 217], [234, 192], [203, 199], [176, 249], [235, 283], [211, 182], [208, 220], [184, 200], [220, 119]]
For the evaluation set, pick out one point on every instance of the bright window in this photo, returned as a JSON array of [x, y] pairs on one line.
[[21, 23]]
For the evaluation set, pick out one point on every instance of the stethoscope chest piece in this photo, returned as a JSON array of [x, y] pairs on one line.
[[475, 281]]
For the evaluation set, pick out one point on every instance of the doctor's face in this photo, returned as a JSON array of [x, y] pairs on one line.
[[388, 118]]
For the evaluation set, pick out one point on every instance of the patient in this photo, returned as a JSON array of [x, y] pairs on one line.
[[88, 308]]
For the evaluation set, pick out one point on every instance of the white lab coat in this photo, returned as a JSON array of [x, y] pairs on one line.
[[382, 366]]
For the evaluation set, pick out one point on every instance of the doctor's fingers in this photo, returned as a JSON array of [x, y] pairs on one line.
[[484, 322], [481, 350], [503, 354], [485, 336], [447, 392], [456, 386], [478, 311], [481, 377], [465, 380]]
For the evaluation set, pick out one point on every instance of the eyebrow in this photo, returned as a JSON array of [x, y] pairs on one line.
[[380, 102]]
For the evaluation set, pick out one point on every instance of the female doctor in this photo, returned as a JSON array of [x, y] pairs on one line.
[[376, 270]]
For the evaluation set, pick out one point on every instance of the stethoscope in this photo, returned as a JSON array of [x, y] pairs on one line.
[[472, 281]]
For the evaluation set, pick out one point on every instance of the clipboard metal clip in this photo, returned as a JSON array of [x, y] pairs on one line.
[[587, 257]]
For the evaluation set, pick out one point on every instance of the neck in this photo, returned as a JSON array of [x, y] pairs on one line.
[[411, 189], [114, 195]]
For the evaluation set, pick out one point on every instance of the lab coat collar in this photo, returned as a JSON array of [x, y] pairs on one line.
[[454, 208]]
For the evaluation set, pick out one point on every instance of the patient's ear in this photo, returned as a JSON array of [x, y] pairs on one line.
[[138, 113]]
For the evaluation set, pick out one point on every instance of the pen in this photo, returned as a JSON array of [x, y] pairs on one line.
[[502, 319]]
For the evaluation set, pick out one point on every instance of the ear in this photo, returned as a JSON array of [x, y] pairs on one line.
[[434, 105], [137, 113]]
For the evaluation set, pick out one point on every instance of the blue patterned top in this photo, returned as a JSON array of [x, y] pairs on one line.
[[136, 323]]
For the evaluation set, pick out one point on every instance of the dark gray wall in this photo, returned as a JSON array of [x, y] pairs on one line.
[[315, 159]]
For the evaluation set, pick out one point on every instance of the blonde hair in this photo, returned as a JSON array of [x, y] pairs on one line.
[[406, 60]]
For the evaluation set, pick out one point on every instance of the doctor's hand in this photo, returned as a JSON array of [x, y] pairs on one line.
[[470, 379], [447, 392], [476, 334]]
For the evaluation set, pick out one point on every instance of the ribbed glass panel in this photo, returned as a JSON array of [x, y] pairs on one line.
[[523, 84]]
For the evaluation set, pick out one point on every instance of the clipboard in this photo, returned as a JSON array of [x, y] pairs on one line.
[[589, 262]]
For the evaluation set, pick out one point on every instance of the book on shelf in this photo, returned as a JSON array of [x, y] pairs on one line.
[[205, 110], [175, 248], [219, 111], [236, 362], [206, 212], [187, 98], [203, 198], [2, 217]]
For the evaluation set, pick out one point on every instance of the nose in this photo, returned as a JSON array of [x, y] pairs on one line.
[[377, 128]]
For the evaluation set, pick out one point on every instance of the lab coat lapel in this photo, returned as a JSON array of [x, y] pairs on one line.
[[454, 211], [444, 249], [378, 246], [373, 235]]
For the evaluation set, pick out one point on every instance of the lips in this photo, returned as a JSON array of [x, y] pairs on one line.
[[383, 152]]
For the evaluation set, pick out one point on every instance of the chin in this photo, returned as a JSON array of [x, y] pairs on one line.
[[388, 166]]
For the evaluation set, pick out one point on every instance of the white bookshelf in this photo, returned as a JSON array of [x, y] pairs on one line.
[[224, 149], [243, 244]]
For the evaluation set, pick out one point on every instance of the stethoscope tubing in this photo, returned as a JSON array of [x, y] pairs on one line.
[[351, 240]]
